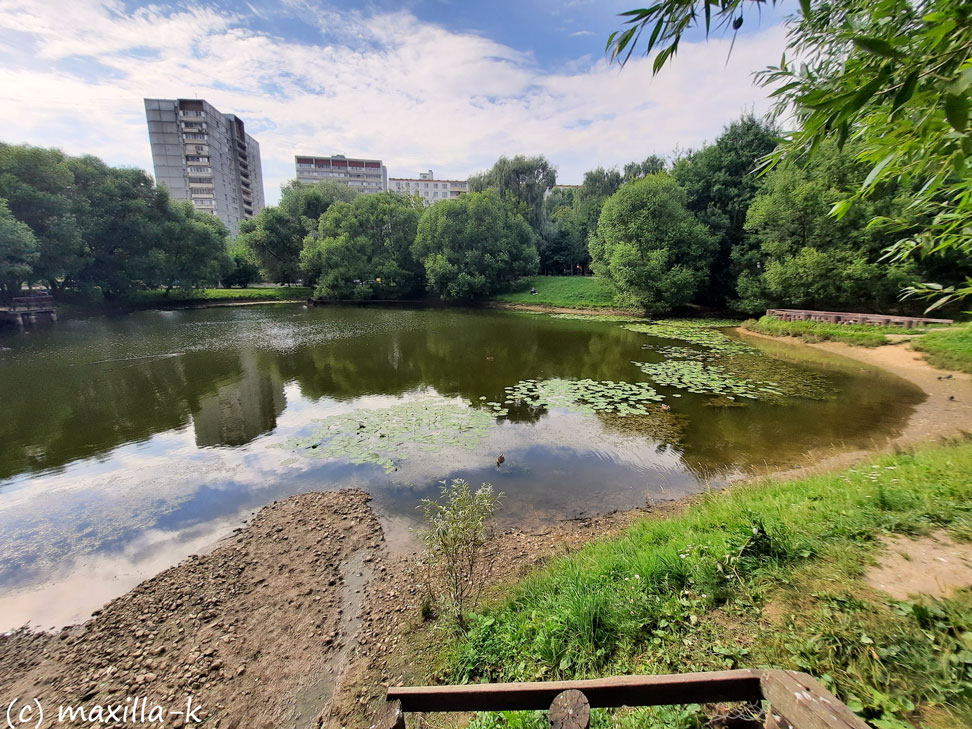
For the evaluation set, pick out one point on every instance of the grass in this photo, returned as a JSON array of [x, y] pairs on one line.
[[857, 335], [575, 292], [768, 574], [269, 293], [949, 349]]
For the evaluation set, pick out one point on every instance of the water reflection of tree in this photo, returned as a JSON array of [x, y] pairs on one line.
[[465, 354], [85, 390]]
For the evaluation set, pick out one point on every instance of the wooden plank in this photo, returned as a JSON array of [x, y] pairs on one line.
[[799, 700], [690, 688]]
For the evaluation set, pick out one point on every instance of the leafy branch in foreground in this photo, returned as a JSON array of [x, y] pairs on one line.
[[894, 76]]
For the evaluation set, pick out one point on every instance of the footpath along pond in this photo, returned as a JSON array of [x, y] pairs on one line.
[[128, 443]]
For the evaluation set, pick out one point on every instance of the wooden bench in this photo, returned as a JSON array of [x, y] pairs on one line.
[[774, 699]]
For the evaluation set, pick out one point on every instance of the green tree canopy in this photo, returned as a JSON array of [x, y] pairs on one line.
[[563, 235], [362, 249], [650, 166], [275, 236], [38, 185], [895, 76], [473, 246], [800, 255], [520, 181], [720, 181], [18, 251], [243, 269], [650, 246]]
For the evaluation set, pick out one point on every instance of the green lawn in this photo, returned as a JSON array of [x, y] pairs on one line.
[[949, 349], [269, 293], [858, 335], [766, 574], [576, 292]]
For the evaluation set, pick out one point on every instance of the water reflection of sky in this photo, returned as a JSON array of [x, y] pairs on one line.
[[122, 503], [111, 522]]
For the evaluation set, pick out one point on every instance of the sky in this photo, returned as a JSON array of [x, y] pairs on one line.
[[446, 85]]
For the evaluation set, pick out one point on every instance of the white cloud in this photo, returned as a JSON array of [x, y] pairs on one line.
[[412, 93], [579, 33]]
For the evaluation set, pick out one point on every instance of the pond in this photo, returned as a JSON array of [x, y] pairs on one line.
[[128, 443]]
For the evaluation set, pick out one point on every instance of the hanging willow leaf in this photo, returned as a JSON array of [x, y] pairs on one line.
[[877, 169], [907, 89], [805, 7], [957, 111], [877, 46]]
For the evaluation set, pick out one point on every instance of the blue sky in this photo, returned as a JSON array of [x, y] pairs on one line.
[[443, 84]]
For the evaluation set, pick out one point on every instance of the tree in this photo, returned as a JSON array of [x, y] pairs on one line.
[[522, 182], [242, 270], [651, 248], [720, 181], [126, 224], [563, 235], [473, 246], [275, 236], [797, 254], [362, 249], [894, 76], [194, 249], [18, 252], [38, 186], [650, 166]]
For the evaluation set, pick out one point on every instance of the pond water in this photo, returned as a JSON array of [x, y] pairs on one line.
[[128, 443]]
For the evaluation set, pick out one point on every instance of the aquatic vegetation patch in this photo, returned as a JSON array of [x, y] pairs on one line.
[[388, 436], [596, 317], [702, 335], [701, 355], [703, 378], [586, 396], [788, 378]]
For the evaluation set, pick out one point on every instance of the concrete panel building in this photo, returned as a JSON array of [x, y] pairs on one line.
[[428, 187], [206, 157], [362, 175]]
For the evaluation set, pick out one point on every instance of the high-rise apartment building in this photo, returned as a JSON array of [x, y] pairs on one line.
[[430, 189], [363, 175], [206, 157]]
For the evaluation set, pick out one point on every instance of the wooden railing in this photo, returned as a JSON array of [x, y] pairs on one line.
[[775, 699], [847, 317]]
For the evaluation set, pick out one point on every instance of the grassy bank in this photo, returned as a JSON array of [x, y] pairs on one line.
[[950, 349], [769, 574], [74, 304], [270, 293], [858, 335], [577, 292]]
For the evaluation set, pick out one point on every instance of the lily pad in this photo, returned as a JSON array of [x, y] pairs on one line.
[[586, 396]]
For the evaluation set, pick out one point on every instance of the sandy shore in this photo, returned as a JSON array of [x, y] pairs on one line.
[[300, 619]]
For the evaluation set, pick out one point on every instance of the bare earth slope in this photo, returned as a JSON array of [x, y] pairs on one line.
[[256, 631]]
